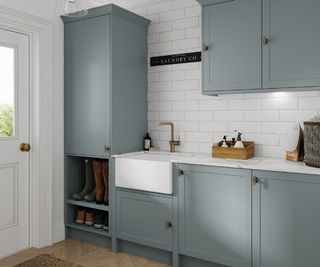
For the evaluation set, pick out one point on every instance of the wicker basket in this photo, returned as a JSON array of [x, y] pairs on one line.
[[312, 143]]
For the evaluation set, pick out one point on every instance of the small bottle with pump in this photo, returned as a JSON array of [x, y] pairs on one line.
[[239, 144], [224, 144], [147, 143]]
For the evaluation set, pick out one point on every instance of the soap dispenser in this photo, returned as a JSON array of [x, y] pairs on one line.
[[224, 144], [239, 144]]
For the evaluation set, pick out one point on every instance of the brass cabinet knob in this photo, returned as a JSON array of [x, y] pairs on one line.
[[106, 148], [255, 180], [169, 225], [24, 147], [265, 40], [205, 47], [181, 172]]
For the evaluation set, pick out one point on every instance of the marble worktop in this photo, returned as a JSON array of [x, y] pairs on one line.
[[256, 163]]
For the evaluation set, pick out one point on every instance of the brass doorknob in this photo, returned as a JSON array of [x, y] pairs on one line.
[[255, 180], [24, 147]]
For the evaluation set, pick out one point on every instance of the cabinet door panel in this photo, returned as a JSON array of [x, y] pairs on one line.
[[143, 219], [87, 45], [232, 30], [292, 56], [211, 2], [286, 220], [215, 215]]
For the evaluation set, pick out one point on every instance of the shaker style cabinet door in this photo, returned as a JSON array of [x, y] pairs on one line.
[[215, 214], [232, 46], [144, 219], [286, 219], [291, 51], [87, 99]]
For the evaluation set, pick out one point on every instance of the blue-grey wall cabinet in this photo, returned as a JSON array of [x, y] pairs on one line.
[[145, 219], [291, 57], [286, 219], [260, 46], [105, 82], [232, 46], [215, 214]]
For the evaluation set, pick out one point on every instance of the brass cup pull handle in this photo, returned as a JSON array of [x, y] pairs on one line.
[[255, 180], [24, 147], [265, 40], [168, 225]]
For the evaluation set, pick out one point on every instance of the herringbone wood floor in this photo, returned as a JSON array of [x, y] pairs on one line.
[[84, 254]]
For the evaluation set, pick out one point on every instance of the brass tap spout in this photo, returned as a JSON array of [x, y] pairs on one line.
[[172, 142]]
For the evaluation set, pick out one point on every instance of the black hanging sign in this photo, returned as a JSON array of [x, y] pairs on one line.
[[176, 59]]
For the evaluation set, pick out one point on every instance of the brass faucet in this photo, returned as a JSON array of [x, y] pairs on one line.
[[172, 142]]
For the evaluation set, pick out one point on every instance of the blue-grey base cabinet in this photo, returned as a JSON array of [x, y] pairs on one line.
[[215, 214], [225, 217], [144, 218], [286, 220]]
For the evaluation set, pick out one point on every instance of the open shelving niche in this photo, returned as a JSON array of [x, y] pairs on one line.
[[74, 182]]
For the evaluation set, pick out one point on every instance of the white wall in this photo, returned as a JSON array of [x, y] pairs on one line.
[[174, 91]]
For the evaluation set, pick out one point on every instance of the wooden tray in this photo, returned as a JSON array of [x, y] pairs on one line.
[[234, 153]]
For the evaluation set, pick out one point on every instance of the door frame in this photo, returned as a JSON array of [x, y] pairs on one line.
[[40, 182]]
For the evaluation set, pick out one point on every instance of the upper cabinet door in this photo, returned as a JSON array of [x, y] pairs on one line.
[[291, 56], [87, 103], [232, 46]]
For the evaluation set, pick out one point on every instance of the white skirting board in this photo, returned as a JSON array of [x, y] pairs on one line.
[[58, 233]]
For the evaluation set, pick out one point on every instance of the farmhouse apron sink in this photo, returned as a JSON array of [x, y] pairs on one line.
[[147, 171]]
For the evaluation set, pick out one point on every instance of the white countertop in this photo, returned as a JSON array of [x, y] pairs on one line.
[[257, 163]]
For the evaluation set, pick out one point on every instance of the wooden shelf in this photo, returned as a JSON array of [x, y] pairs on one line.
[[89, 229], [91, 205]]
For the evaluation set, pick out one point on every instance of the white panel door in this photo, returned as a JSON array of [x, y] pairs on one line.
[[14, 130]]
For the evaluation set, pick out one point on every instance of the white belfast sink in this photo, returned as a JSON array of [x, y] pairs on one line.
[[146, 171]]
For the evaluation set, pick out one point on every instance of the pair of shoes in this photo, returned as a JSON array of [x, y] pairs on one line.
[[85, 217], [101, 220], [88, 192], [97, 188], [101, 175]]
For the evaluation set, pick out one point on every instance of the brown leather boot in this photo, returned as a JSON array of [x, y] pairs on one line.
[[89, 218], [97, 169], [81, 213], [105, 174]]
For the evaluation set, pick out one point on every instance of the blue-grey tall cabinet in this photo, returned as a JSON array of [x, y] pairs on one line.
[[105, 100]]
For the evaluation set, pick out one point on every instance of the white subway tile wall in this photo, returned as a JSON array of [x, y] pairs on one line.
[[174, 91]]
